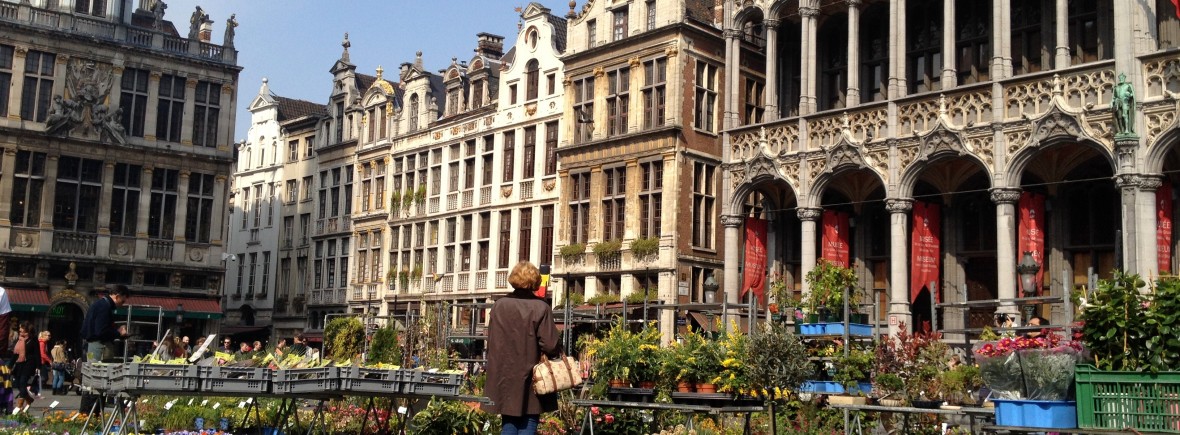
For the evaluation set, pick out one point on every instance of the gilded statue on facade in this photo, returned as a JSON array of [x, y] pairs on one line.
[[1122, 107]]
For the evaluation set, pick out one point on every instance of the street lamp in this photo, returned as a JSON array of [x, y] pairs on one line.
[[1027, 269], [710, 287], [179, 317]]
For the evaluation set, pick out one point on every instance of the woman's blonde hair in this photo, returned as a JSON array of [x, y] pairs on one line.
[[44, 335], [524, 276]]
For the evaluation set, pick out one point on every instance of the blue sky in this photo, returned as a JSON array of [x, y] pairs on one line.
[[293, 43]]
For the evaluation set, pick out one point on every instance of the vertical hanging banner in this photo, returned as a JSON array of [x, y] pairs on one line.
[[1032, 233], [754, 276], [1163, 226], [835, 238], [925, 250]]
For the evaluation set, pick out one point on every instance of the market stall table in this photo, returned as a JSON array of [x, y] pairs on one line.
[[905, 411]]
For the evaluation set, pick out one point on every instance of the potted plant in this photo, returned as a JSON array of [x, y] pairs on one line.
[[645, 247], [889, 388], [853, 370], [708, 367], [420, 196], [572, 252], [733, 376], [780, 306], [677, 364], [408, 198], [615, 356], [827, 283], [416, 273], [957, 384], [395, 201], [777, 361], [603, 298], [607, 249], [647, 294], [917, 359], [647, 360]]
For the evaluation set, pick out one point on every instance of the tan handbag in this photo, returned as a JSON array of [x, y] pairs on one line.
[[551, 376]]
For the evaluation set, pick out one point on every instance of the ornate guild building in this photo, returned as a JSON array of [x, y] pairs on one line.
[[116, 135], [957, 135]]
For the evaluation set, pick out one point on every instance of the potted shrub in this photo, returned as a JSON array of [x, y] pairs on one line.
[[708, 368], [614, 356], [957, 385], [826, 284], [647, 294], [777, 361], [408, 198], [677, 364], [917, 359], [603, 298], [733, 376], [607, 249], [644, 247], [853, 370], [572, 252], [420, 196], [647, 361], [889, 388]]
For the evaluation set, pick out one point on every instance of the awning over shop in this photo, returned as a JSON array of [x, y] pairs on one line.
[[28, 300], [193, 308]]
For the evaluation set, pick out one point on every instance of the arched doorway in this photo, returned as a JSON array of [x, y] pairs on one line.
[[65, 323]]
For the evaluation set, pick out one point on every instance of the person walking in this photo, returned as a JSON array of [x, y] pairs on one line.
[[520, 329], [28, 358], [60, 361], [46, 361], [98, 328]]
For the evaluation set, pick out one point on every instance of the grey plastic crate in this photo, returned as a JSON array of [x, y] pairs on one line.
[[361, 379], [425, 377], [430, 389], [314, 380], [97, 376], [154, 377], [217, 379]]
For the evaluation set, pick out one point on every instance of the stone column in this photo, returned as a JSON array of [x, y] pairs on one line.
[[104, 209], [1128, 185], [225, 118], [852, 97], [217, 228], [1061, 33], [153, 106], [19, 55], [178, 232], [808, 217], [733, 246], [949, 79], [141, 217], [899, 279], [1006, 259], [1001, 66], [7, 168], [898, 87], [807, 56], [190, 102], [733, 47], [47, 202], [1148, 253], [771, 69], [116, 94]]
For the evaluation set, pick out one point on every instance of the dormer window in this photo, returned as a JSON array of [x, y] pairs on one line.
[[413, 112], [477, 94], [96, 8], [532, 80]]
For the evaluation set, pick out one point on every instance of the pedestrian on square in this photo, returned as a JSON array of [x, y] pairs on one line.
[[520, 329], [28, 358], [58, 355], [46, 361], [98, 328]]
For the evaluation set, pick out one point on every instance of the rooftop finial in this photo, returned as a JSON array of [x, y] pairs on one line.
[[380, 71], [345, 44], [418, 60], [265, 89]]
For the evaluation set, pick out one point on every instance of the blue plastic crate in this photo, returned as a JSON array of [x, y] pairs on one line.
[[812, 329], [833, 387], [854, 329], [1047, 414]]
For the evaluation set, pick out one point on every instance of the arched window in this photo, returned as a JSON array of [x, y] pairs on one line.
[[413, 112], [532, 79]]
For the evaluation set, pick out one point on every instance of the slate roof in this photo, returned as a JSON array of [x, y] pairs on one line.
[[559, 33], [290, 108], [364, 81]]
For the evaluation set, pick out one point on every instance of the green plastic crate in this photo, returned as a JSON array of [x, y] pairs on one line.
[[1122, 400]]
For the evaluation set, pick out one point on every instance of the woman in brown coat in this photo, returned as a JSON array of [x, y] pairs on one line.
[[520, 328]]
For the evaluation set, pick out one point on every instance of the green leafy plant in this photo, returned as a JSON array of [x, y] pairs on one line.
[[956, 384], [853, 368], [638, 297], [827, 283], [447, 416], [734, 352], [888, 385], [615, 354], [572, 252], [395, 200], [778, 360], [573, 300], [416, 272], [1114, 329], [1163, 316], [420, 196], [408, 198], [603, 298], [645, 247], [384, 347], [607, 249], [345, 338]]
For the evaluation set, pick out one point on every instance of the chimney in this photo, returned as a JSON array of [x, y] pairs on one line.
[[490, 45], [206, 30]]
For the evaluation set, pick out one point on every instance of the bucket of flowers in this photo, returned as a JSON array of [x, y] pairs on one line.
[[1031, 379]]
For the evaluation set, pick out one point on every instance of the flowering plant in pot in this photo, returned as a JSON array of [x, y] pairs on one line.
[[1034, 368], [734, 353], [916, 358], [614, 356]]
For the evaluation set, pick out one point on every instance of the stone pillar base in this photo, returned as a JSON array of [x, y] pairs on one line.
[[899, 313]]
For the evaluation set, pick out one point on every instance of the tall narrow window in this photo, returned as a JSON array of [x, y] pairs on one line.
[[706, 96], [655, 75], [973, 29], [583, 108], [199, 213], [170, 108], [618, 100], [242, 207], [505, 237], [546, 234], [874, 55], [79, 183], [924, 37], [125, 199], [162, 212], [6, 53], [205, 113], [591, 34], [526, 234], [253, 273], [529, 162], [532, 80], [619, 23], [133, 100], [38, 88], [265, 272], [551, 148], [1090, 34], [651, 14], [833, 64], [650, 198], [755, 102], [703, 203], [413, 113], [292, 151], [1027, 42], [509, 154], [579, 207], [477, 93], [256, 206], [614, 198]]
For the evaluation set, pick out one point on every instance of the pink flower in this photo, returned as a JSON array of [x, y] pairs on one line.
[[610, 419], [594, 410]]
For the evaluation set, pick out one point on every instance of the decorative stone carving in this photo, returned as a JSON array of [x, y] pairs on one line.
[[196, 254], [761, 167], [809, 213], [549, 184], [100, 276], [1002, 195], [88, 85], [137, 277], [1055, 124], [506, 191], [941, 141], [175, 280], [899, 205], [731, 220], [843, 154], [121, 249]]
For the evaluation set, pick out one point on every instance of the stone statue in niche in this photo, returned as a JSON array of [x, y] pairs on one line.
[[158, 14], [1122, 107], [230, 24], [195, 21], [84, 104], [63, 116]]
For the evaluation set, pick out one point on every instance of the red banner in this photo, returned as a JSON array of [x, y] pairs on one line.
[[754, 276], [1032, 233], [1163, 226], [925, 251], [835, 237]]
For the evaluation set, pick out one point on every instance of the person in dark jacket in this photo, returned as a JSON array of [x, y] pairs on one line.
[[28, 360], [520, 328], [98, 328]]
